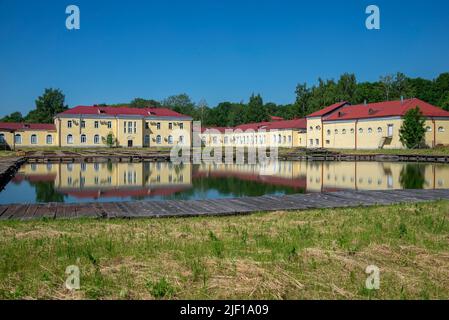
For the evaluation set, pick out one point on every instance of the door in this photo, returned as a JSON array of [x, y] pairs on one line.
[[130, 143], [390, 130]]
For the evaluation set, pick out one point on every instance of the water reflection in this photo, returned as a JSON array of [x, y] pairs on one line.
[[77, 182]]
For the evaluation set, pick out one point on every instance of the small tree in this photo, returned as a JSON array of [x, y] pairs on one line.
[[110, 140], [412, 130]]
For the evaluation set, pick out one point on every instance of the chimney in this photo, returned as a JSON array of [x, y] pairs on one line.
[[364, 102], [402, 99]]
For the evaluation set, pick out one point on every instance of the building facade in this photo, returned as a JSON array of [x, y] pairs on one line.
[[89, 126], [338, 126]]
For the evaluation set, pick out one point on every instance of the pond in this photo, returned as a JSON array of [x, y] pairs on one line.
[[86, 182]]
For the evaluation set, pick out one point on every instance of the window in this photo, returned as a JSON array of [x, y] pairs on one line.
[[18, 139], [124, 127], [379, 130], [370, 130], [83, 124], [146, 140], [343, 131], [170, 139], [69, 139], [279, 139], [69, 166], [147, 126], [49, 139], [69, 124], [352, 130], [96, 166], [96, 124], [328, 142], [83, 138], [328, 132], [96, 139], [181, 126], [214, 139], [311, 142], [318, 128], [360, 130], [135, 126], [33, 139], [109, 124], [285, 139], [440, 129], [2, 138], [83, 166], [311, 128], [158, 139], [170, 125], [428, 129], [130, 127], [158, 126], [289, 139], [317, 141], [336, 131]]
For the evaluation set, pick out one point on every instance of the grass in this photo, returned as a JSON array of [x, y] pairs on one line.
[[317, 254]]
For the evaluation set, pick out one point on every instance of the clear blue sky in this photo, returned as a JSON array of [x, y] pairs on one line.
[[216, 50]]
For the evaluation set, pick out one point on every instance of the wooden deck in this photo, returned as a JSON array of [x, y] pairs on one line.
[[189, 208]]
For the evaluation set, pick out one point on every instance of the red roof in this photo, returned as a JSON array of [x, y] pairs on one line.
[[288, 124], [115, 111], [385, 109], [284, 124], [220, 129], [327, 110], [13, 126], [276, 118]]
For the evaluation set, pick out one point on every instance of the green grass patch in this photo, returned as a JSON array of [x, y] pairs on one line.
[[316, 254]]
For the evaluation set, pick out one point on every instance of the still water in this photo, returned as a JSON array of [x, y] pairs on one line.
[[82, 182]]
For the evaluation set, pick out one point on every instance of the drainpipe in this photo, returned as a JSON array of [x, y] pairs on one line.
[[355, 134], [322, 133], [434, 133]]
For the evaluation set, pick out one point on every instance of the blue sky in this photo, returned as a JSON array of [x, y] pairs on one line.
[[216, 50]]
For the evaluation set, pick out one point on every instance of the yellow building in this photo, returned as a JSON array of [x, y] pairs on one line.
[[278, 133], [88, 126], [339, 126], [373, 125]]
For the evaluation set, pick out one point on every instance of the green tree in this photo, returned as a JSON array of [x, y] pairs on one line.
[[181, 103], [47, 106], [444, 102], [302, 99], [13, 117], [144, 103], [109, 140], [412, 130], [347, 87], [256, 111], [412, 176]]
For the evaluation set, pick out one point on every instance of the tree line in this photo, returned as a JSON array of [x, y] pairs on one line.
[[308, 99]]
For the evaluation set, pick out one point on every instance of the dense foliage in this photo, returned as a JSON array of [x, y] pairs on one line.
[[412, 130], [308, 99]]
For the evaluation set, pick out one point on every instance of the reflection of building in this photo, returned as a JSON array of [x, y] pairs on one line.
[[147, 179], [89, 126], [111, 179], [339, 126], [329, 176]]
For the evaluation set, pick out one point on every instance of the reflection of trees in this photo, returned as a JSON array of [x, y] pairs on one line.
[[412, 176], [45, 192]]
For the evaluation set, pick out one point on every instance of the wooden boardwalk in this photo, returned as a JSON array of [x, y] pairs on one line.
[[188, 208]]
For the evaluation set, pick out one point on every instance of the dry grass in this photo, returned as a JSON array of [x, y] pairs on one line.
[[319, 254]]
